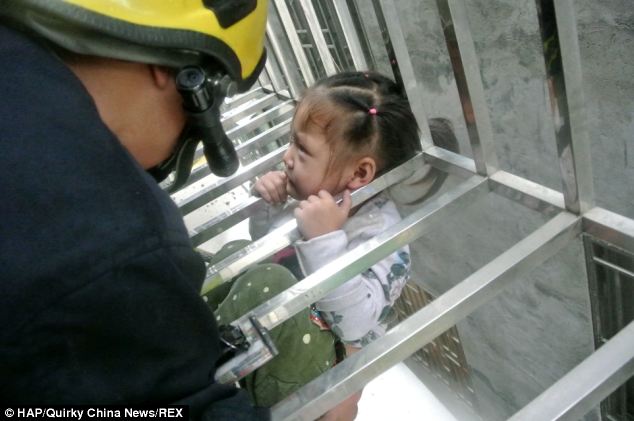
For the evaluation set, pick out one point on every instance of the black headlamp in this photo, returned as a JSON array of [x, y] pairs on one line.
[[202, 96]]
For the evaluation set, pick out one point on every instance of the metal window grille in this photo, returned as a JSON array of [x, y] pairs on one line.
[[611, 283], [571, 212]]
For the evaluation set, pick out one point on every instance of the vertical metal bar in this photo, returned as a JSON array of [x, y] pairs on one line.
[[361, 32], [318, 37], [293, 84], [565, 83], [453, 15], [296, 45], [274, 77], [265, 79], [394, 40], [350, 34]]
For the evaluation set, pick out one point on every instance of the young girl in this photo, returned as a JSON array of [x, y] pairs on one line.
[[347, 130]]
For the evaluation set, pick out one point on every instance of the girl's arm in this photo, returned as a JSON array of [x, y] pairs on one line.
[[356, 309]]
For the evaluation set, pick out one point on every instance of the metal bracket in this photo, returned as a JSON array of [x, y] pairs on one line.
[[252, 347]]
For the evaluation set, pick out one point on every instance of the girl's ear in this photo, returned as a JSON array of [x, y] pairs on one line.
[[364, 172]]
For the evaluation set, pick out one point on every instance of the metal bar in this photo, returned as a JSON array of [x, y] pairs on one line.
[[234, 124], [241, 129], [354, 372], [565, 83], [450, 162], [240, 99], [232, 116], [264, 81], [250, 255], [294, 86], [223, 221], [271, 65], [285, 235], [296, 45], [610, 227], [529, 194], [318, 284], [271, 134], [532, 195], [361, 31], [195, 196], [318, 37], [464, 61], [273, 76], [404, 75], [350, 34], [583, 388], [614, 267]]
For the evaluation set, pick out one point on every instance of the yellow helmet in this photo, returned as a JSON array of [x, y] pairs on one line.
[[217, 45], [172, 33]]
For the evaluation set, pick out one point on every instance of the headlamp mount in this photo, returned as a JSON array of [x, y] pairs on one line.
[[202, 96]]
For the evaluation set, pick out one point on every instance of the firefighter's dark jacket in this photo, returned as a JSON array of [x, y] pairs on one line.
[[99, 300]]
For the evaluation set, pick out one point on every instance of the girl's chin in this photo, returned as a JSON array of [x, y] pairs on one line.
[[291, 191]]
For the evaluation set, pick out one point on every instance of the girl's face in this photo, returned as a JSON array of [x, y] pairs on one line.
[[308, 164]]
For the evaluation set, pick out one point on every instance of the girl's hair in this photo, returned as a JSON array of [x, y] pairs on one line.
[[365, 113]]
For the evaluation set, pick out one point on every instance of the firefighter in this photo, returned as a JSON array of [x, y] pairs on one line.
[[100, 285]]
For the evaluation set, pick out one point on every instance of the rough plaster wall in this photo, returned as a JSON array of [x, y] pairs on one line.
[[536, 330], [508, 45], [540, 327], [606, 32]]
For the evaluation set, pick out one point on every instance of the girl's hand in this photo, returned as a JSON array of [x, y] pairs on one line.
[[272, 187], [319, 215]]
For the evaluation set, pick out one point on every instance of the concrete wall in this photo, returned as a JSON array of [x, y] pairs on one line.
[[539, 328]]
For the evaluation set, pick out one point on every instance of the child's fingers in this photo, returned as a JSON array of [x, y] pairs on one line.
[[272, 187], [346, 202], [323, 194]]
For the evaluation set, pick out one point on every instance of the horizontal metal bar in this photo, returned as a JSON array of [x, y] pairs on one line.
[[285, 235], [238, 100], [242, 128], [354, 372], [532, 195], [583, 388], [223, 221], [335, 273], [257, 141], [232, 116], [610, 227], [273, 133], [242, 106], [250, 255], [195, 196], [449, 162], [613, 267]]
